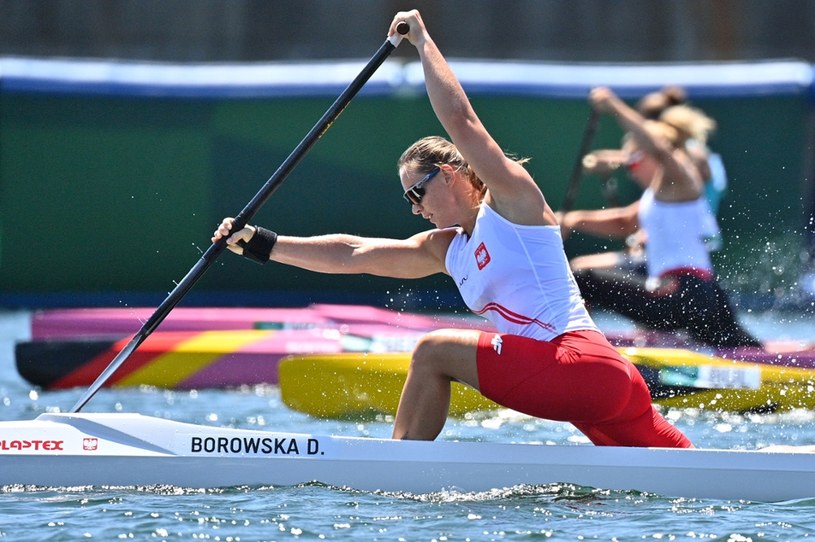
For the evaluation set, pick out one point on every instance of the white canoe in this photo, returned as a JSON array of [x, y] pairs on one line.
[[59, 450]]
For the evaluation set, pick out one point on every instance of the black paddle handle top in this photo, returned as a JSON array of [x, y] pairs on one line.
[[271, 185]]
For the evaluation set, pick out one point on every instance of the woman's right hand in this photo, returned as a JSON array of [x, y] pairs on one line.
[[414, 20], [225, 229]]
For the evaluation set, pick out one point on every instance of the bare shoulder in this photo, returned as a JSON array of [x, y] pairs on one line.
[[436, 240], [434, 243]]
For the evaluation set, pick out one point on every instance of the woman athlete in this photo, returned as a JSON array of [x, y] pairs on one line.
[[498, 239], [670, 105], [680, 290]]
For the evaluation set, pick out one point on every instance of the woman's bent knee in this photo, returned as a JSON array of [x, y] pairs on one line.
[[447, 353]]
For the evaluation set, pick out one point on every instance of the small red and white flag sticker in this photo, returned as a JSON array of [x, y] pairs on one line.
[[482, 257], [90, 444]]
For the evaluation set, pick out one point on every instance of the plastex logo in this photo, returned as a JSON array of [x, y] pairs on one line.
[[90, 444], [482, 257], [25, 444]]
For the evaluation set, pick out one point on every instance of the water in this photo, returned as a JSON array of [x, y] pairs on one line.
[[317, 512]]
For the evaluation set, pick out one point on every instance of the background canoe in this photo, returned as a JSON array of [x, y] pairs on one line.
[[196, 359], [349, 385], [208, 347], [227, 347], [124, 322]]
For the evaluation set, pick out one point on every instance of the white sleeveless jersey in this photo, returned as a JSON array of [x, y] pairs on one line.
[[517, 277], [676, 234]]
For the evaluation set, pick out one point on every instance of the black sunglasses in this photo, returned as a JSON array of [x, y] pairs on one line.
[[415, 192]]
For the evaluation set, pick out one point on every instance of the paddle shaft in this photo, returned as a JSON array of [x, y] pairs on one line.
[[214, 250], [577, 170]]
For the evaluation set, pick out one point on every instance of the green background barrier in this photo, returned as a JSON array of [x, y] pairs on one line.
[[109, 197]]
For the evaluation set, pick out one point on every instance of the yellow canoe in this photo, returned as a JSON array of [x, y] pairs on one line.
[[350, 385], [686, 379]]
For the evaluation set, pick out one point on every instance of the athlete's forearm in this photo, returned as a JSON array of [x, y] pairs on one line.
[[618, 222], [351, 254]]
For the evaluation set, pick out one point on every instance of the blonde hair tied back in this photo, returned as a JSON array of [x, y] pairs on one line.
[[690, 122]]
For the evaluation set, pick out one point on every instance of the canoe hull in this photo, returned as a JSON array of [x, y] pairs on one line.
[[133, 450]]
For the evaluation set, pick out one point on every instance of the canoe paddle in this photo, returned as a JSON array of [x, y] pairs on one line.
[[577, 169], [214, 250]]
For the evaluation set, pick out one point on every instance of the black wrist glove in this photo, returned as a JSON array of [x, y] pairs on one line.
[[260, 246]]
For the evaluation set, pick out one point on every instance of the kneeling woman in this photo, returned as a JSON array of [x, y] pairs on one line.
[[498, 239], [680, 290]]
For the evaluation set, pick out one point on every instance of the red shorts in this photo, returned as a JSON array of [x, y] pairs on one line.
[[580, 378]]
